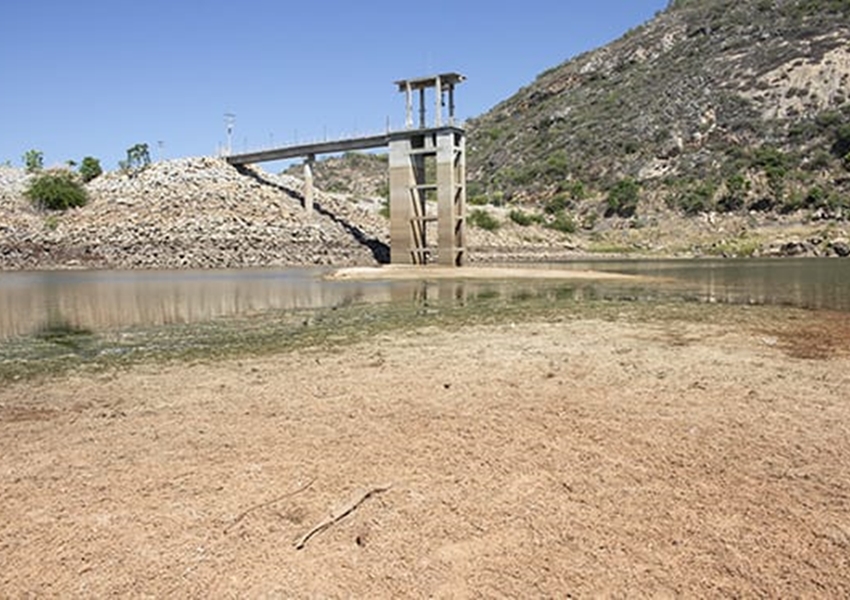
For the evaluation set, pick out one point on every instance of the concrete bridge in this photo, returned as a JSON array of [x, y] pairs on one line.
[[427, 167]]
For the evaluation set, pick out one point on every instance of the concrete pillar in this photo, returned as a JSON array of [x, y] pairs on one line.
[[308, 184], [408, 120], [451, 197], [421, 108], [401, 190], [438, 103]]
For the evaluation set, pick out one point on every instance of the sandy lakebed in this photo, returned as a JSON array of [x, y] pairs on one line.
[[616, 450]]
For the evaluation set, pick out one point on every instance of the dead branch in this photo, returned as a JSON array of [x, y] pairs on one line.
[[268, 503], [341, 511]]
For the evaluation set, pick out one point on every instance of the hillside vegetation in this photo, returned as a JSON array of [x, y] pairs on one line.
[[714, 105]]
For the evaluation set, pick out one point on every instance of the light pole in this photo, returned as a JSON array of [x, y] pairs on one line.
[[229, 122]]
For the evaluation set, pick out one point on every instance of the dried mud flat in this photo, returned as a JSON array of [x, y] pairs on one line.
[[578, 458]]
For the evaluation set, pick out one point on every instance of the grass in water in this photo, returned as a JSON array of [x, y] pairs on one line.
[[59, 348]]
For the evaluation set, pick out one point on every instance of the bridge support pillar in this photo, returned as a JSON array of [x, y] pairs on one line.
[[308, 184], [427, 185], [451, 197]]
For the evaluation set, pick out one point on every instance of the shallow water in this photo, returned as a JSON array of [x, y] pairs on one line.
[[113, 300]]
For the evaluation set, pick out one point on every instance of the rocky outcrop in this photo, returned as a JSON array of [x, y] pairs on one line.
[[188, 213], [812, 247]]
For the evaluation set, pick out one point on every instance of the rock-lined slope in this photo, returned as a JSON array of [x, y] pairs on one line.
[[187, 213]]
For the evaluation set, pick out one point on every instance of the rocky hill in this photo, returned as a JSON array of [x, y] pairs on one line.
[[716, 105], [359, 174], [188, 213], [724, 107]]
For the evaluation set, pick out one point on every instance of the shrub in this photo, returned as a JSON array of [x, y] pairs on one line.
[[138, 159], [820, 161], [575, 190], [484, 220], [774, 163], [33, 161], [523, 218], [57, 190], [841, 140], [557, 165], [698, 199], [817, 198], [737, 188], [90, 169], [792, 203], [623, 198], [558, 203], [563, 223]]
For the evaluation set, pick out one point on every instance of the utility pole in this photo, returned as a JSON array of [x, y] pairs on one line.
[[229, 122]]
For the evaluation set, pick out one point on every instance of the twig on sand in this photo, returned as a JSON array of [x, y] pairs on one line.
[[341, 511], [267, 503]]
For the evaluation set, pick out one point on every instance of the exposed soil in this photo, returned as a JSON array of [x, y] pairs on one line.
[[570, 459]]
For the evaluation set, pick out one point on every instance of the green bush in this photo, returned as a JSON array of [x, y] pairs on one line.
[[841, 146], [623, 198], [563, 222], [57, 190], [575, 189], [558, 203], [523, 218], [697, 199], [557, 165], [792, 203], [90, 169], [33, 161], [484, 220], [737, 188], [775, 165]]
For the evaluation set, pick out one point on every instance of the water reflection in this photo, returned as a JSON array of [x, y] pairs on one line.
[[101, 300], [31, 303], [804, 283]]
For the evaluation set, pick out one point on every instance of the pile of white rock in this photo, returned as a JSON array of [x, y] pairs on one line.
[[188, 213]]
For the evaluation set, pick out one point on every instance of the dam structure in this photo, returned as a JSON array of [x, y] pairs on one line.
[[427, 172]]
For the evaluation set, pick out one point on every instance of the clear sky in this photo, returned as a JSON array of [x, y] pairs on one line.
[[92, 77]]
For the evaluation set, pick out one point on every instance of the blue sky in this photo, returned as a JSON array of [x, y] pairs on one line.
[[92, 77]]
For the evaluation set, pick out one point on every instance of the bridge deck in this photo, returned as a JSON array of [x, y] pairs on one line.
[[363, 143], [344, 145]]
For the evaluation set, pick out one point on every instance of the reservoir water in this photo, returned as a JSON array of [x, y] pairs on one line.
[[111, 300]]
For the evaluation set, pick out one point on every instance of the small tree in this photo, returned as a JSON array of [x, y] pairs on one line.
[[138, 159], [90, 169], [623, 198], [34, 161], [57, 190]]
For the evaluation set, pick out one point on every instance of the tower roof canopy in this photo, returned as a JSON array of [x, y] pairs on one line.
[[421, 83]]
